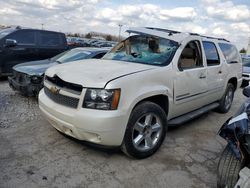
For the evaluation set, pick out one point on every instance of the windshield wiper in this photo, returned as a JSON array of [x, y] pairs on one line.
[[58, 61]]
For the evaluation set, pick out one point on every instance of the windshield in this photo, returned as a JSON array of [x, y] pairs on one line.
[[73, 55], [144, 49], [58, 56], [246, 62], [5, 32]]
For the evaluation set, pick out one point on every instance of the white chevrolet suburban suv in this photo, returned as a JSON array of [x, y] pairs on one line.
[[153, 79]]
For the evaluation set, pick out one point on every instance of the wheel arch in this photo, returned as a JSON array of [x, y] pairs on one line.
[[233, 81], [160, 99]]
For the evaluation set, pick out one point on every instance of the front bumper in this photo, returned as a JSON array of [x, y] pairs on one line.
[[97, 126], [27, 89], [246, 76]]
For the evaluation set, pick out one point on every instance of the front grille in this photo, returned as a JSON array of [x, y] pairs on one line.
[[62, 99], [63, 84], [245, 75]]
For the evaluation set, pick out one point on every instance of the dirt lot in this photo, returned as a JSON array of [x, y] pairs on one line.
[[34, 154]]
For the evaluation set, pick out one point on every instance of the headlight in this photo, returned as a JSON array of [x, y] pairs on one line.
[[36, 79], [103, 99]]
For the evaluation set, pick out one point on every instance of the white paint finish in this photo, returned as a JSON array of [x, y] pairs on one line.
[[137, 82], [95, 73]]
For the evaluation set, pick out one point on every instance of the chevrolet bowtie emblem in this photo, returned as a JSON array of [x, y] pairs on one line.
[[54, 90]]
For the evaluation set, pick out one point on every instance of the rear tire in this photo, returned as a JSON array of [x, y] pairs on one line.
[[145, 131], [227, 99], [228, 169]]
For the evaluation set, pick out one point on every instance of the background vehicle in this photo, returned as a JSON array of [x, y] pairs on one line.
[[245, 71], [28, 77], [153, 79], [236, 155], [18, 45]]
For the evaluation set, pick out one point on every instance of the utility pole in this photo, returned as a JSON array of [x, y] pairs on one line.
[[248, 47], [120, 27]]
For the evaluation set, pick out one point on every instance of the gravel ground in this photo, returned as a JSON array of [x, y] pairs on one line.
[[34, 154]]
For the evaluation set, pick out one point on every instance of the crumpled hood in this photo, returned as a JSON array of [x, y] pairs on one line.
[[95, 73], [34, 67]]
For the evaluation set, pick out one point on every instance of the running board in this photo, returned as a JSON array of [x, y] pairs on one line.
[[191, 115]]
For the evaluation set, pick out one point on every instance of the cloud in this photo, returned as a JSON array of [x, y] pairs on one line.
[[218, 18], [180, 13], [228, 11]]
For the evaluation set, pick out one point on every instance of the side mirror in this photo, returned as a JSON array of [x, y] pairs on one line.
[[246, 91], [10, 43]]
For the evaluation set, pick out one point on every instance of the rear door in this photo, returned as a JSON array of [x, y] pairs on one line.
[[50, 44], [215, 70], [24, 51]]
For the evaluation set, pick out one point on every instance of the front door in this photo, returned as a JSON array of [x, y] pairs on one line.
[[24, 51], [190, 84]]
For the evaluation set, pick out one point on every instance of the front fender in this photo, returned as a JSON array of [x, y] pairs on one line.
[[147, 92]]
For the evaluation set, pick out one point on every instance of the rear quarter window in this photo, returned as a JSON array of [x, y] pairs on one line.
[[50, 39], [230, 53]]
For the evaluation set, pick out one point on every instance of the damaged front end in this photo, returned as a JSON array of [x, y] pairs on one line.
[[26, 84]]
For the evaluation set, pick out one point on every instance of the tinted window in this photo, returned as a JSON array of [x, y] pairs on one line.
[[211, 52], [230, 53], [191, 56], [23, 37], [100, 55], [5, 32], [50, 39], [73, 55]]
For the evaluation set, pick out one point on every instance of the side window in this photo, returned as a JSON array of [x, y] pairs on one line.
[[50, 39], [23, 37], [98, 56], [230, 53], [211, 52], [191, 56]]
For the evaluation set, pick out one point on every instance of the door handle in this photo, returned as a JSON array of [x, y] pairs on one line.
[[202, 76]]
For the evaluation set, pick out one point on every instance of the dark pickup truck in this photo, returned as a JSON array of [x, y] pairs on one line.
[[18, 45]]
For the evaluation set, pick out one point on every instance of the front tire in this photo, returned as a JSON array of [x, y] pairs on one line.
[[228, 169], [227, 99], [145, 131]]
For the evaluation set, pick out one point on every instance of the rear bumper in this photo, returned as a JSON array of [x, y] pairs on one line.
[[27, 89]]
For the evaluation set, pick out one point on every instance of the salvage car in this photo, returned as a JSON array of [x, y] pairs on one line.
[[18, 45], [28, 77], [153, 79], [246, 70]]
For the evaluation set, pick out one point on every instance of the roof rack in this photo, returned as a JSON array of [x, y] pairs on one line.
[[214, 38], [171, 32], [164, 30]]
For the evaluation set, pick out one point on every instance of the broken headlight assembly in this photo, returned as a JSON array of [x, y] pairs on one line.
[[102, 99], [36, 79]]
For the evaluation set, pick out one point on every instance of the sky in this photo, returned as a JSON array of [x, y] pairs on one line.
[[217, 18]]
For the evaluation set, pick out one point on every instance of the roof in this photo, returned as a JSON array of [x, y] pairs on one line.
[[176, 36], [15, 28]]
